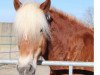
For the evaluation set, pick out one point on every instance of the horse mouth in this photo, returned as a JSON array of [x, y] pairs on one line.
[[27, 70]]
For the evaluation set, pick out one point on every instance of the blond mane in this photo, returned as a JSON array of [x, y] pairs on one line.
[[29, 21]]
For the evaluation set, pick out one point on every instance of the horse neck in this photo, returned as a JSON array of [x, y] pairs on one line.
[[64, 20]]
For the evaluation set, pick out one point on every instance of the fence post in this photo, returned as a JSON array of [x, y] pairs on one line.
[[70, 70]]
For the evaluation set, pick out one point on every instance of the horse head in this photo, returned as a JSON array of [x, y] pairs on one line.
[[29, 22], [44, 6]]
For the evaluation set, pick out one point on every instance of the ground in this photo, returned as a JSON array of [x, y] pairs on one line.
[[11, 70]]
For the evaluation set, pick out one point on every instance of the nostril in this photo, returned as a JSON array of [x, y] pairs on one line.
[[31, 67], [17, 68], [20, 69]]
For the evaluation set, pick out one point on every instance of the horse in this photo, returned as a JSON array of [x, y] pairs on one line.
[[48, 32]]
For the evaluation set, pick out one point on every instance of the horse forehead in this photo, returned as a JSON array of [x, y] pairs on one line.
[[30, 7]]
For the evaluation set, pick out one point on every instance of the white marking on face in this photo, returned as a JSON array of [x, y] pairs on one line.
[[35, 63], [24, 61], [25, 36]]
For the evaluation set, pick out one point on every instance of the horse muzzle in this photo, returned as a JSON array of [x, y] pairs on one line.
[[26, 70]]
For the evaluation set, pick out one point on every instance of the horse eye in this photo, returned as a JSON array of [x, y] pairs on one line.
[[48, 17]]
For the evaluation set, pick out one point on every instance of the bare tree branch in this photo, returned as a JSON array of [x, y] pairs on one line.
[[88, 17]]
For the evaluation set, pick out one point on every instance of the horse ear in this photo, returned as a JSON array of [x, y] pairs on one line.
[[17, 4], [45, 6]]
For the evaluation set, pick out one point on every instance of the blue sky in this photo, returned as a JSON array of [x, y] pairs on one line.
[[74, 7]]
